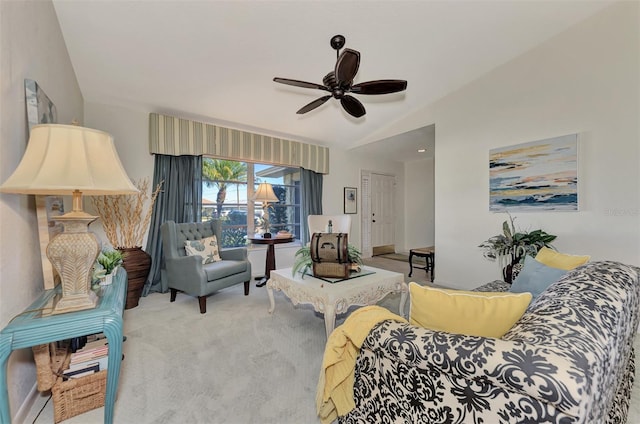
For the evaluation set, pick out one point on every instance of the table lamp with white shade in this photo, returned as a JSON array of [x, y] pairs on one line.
[[71, 160], [265, 194]]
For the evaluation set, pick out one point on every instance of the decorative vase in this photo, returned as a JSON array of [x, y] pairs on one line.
[[511, 271], [137, 263], [106, 280]]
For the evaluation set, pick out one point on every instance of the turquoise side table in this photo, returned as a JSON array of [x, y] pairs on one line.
[[30, 328]]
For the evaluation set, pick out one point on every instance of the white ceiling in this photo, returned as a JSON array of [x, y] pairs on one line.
[[215, 61]]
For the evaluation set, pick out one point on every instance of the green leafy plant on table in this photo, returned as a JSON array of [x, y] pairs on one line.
[[109, 259], [303, 262], [511, 247], [106, 263]]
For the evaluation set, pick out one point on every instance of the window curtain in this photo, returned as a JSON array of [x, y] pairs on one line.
[[179, 200], [311, 183]]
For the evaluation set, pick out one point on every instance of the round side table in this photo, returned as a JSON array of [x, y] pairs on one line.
[[270, 263]]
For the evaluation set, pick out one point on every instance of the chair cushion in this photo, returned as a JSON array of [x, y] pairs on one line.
[[554, 259], [206, 247], [535, 277], [487, 314], [222, 269]]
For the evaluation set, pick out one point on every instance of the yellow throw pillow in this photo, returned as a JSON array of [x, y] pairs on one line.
[[558, 260], [487, 314]]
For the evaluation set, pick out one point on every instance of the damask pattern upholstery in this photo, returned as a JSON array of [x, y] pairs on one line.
[[569, 359]]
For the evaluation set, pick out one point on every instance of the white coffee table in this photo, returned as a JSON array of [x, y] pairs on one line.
[[336, 298]]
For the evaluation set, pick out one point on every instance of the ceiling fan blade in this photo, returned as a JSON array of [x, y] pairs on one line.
[[353, 106], [302, 84], [314, 104], [347, 67], [379, 87]]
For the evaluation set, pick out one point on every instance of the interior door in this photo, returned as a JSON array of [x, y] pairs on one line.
[[382, 210], [378, 220]]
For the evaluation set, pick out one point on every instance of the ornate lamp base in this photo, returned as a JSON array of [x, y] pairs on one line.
[[73, 254]]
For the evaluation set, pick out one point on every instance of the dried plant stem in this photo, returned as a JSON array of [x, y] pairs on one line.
[[124, 218]]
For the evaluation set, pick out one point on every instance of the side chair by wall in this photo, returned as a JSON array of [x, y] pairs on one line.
[[189, 274]]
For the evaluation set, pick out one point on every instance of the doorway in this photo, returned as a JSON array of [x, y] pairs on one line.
[[378, 213]]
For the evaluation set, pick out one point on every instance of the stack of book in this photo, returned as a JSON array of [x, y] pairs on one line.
[[93, 357]]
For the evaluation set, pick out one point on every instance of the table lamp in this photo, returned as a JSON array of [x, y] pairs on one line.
[[265, 194], [63, 160]]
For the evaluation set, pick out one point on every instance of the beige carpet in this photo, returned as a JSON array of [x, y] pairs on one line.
[[235, 364]]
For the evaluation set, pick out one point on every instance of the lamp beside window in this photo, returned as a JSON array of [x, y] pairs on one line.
[[265, 194], [71, 160]]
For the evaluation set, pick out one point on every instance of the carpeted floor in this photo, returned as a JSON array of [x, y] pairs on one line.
[[234, 364]]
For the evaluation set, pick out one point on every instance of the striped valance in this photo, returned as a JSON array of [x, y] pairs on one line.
[[174, 136]]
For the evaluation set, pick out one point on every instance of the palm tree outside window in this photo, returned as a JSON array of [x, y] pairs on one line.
[[228, 184]]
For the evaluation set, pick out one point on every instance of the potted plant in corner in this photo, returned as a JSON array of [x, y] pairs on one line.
[[125, 219], [510, 247]]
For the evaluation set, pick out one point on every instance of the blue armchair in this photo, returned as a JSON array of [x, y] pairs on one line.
[[189, 275]]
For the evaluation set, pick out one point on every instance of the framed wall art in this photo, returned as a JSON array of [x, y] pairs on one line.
[[536, 176], [41, 110], [350, 200]]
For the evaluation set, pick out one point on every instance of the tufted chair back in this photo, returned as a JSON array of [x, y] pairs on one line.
[[173, 243]]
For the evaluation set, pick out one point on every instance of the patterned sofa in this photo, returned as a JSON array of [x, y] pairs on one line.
[[569, 359]]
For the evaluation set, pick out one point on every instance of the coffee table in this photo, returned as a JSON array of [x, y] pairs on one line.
[[331, 299]]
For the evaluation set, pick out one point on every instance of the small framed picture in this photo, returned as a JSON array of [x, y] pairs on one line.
[[350, 200]]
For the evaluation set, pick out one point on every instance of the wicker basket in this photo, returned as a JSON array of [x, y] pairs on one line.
[[74, 396]]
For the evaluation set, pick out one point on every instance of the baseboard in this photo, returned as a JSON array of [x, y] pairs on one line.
[[383, 250], [25, 408]]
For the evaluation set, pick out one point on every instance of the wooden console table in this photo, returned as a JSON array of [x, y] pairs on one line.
[[33, 327]]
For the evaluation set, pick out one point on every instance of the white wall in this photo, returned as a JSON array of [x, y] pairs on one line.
[[585, 81], [31, 46], [130, 131], [419, 210]]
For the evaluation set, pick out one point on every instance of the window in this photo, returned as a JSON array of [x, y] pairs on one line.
[[228, 187]]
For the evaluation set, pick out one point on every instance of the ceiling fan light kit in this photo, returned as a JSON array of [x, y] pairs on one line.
[[339, 82]]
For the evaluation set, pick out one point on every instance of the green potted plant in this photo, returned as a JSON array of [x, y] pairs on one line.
[[511, 247], [109, 260], [303, 261]]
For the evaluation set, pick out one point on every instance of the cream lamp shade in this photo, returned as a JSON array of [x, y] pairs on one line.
[[71, 160], [265, 194], [61, 159]]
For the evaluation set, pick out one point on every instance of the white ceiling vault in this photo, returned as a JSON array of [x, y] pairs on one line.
[[215, 61]]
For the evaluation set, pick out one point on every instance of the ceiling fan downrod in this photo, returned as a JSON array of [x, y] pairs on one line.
[[337, 42]]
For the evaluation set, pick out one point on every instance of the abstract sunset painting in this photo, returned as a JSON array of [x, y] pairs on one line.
[[535, 176]]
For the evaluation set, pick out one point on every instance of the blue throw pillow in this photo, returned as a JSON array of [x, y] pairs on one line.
[[535, 277]]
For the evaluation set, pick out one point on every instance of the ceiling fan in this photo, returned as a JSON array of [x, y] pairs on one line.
[[339, 82]]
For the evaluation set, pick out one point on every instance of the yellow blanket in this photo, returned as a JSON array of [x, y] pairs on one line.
[[334, 395]]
